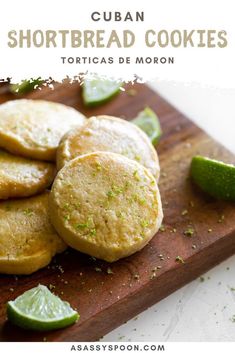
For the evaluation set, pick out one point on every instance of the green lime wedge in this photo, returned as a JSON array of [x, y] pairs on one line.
[[97, 91], [38, 309], [214, 177], [25, 86], [148, 121]]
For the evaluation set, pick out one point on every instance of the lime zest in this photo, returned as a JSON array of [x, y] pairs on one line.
[[82, 225], [179, 259]]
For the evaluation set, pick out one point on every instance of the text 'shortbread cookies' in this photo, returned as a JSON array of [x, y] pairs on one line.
[[28, 241], [110, 134], [33, 128], [105, 205], [21, 177]]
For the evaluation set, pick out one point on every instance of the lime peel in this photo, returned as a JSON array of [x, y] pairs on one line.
[[39, 309], [25, 86], [98, 91], [147, 120], [214, 177]]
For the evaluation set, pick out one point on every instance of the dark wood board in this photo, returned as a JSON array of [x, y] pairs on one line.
[[104, 300]]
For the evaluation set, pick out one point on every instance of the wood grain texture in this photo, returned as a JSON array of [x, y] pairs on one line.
[[107, 300]]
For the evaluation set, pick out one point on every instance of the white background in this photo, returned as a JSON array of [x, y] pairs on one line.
[[200, 311]]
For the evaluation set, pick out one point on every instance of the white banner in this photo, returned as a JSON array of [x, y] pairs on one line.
[[177, 40], [118, 347]]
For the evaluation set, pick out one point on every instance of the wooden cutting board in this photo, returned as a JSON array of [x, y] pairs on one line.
[[106, 300]]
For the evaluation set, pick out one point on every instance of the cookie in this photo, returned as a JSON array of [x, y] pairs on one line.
[[109, 134], [28, 241], [33, 128], [105, 205], [21, 177]]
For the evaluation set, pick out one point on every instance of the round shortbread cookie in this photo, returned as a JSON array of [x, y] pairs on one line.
[[33, 128], [27, 239], [109, 134], [21, 177], [105, 205]]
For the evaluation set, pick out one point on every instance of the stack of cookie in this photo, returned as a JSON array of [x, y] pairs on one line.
[[104, 199]]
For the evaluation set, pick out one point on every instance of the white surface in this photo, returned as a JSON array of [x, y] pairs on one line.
[[200, 311]]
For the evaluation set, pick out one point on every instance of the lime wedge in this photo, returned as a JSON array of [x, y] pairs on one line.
[[25, 86], [97, 91], [148, 121], [214, 177], [38, 309]]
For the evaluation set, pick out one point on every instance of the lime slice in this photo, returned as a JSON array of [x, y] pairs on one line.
[[39, 309], [148, 121], [214, 177], [99, 91], [25, 86]]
